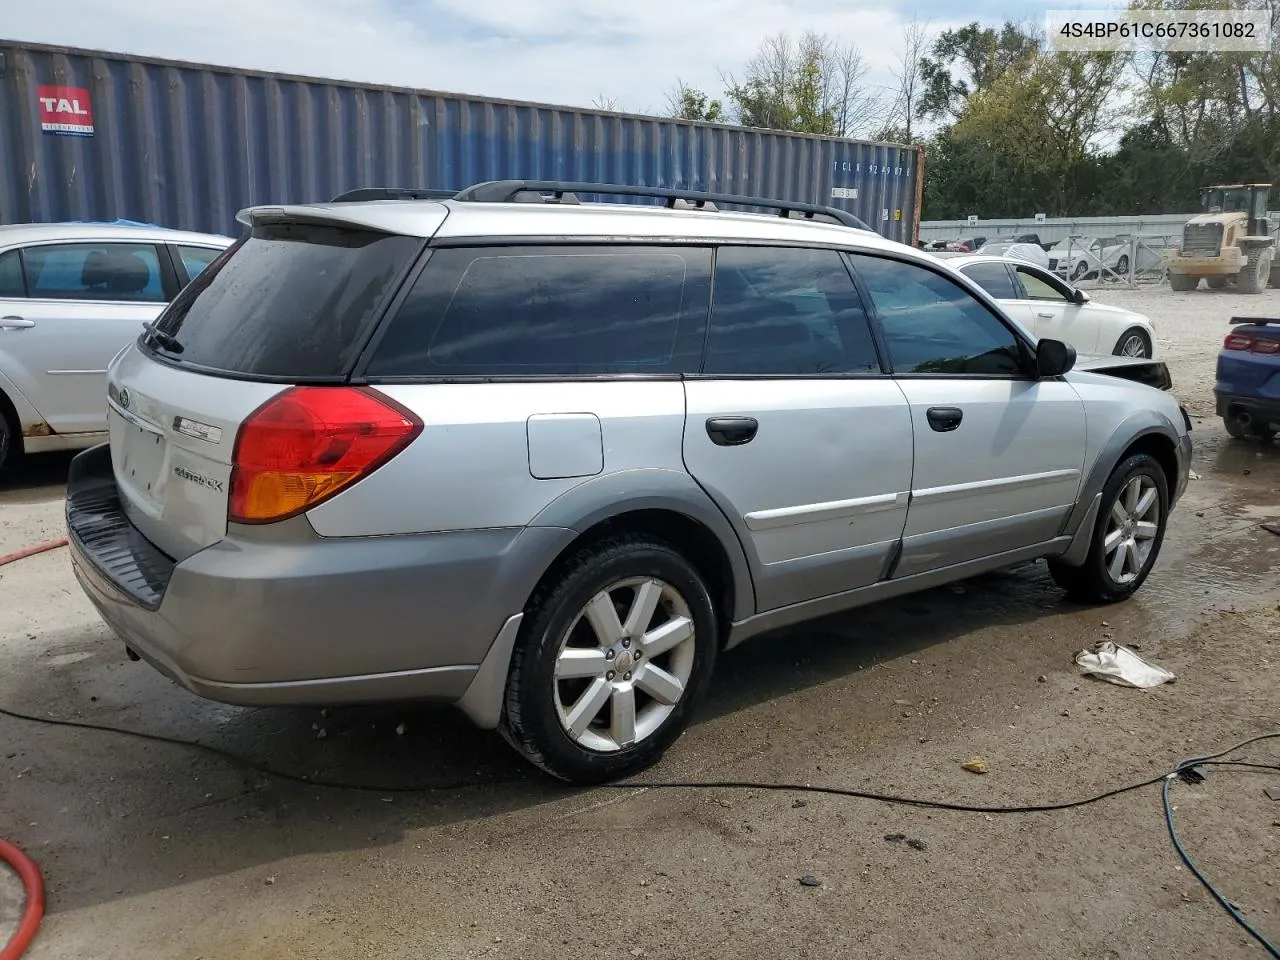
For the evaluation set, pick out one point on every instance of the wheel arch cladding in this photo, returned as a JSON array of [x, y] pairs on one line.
[[1162, 449], [673, 508]]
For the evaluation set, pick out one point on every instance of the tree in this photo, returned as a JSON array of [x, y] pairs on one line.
[[602, 102], [900, 120], [1047, 117], [688, 103], [969, 60], [812, 85]]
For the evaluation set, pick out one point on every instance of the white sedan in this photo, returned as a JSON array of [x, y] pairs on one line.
[[1047, 306], [72, 296]]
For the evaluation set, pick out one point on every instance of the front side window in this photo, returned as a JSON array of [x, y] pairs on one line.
[[125, 272], [787, 311], [993, 278], [933, 325], [1039, 288], [550, 311], [12, 286]]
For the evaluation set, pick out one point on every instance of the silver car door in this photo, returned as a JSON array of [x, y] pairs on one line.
[[998, 452], [793, 427]]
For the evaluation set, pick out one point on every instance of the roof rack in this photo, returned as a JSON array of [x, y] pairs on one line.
[[392, 193], [565, 192]]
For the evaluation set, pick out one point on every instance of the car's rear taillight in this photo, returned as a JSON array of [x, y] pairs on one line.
[[1243, 341], [305, 445]]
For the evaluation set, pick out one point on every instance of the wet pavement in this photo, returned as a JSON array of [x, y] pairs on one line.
[[156, 850]]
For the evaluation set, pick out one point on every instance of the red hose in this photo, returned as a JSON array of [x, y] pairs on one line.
[[31, 552], [25, 867], [33, 884]]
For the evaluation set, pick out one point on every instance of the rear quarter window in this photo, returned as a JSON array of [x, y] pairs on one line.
[[550, 311], [292, 301]]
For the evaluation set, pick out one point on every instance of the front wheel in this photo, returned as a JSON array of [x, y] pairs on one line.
[[1126, 537], [614, 652], [6, 441], [1133, 343], [1122, 267], [1183, 283]]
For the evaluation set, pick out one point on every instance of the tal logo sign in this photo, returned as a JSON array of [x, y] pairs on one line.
[[65, 110]]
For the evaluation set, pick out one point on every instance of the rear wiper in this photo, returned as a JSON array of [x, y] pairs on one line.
[[160, 338]]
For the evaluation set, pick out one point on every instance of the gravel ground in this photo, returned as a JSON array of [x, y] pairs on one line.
[[154, 850]]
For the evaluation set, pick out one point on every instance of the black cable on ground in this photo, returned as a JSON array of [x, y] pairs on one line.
[[1211, 759]]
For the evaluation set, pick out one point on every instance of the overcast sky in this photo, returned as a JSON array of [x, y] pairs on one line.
[[558, 51]]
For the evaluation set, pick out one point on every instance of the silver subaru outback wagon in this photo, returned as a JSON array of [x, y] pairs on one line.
[[546, 459]]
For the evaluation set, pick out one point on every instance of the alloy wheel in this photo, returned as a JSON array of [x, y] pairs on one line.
[[1131, 532], [624, 664]]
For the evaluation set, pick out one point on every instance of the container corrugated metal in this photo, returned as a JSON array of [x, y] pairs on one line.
[[188, 145]]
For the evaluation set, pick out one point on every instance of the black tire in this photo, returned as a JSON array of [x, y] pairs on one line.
[[1080, 271], [1122, 266], [8, 453], [1092, 581], [1217, 283], [531, 719], [1130, 334], [1256, 272], [1238, 430], [1183, 283]]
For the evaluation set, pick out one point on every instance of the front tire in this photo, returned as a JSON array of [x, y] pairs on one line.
[[1126, 538], [7, 451], [1133, 343], [614, 652], [1217, 283], [1256, 272], [1183, 283]]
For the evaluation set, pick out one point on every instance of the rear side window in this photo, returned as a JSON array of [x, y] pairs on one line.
[[195, 259], [292, 301], [125, 272], [550, 311], [11, 282], [993, 278], [786, 311]]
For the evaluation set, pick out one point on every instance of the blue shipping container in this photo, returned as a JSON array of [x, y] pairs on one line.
[[88, 135]]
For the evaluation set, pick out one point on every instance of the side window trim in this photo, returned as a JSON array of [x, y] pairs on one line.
[[157, 247], [1026, 347]]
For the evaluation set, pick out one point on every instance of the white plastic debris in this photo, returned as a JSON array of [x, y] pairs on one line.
[[1120, 665]]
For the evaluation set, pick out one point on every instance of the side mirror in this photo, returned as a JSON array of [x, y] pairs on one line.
[[1054, 358], [1080, 297]]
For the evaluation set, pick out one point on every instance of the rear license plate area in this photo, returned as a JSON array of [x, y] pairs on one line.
[[142, 461]]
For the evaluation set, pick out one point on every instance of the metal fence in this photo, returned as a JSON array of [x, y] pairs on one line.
[[1051, 230]]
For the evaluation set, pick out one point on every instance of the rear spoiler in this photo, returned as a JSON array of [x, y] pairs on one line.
[[1257, 321]]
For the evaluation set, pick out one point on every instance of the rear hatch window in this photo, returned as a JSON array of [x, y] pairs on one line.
[[291, 301]]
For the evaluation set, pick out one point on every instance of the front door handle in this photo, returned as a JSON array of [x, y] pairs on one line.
[[16, 323], [944, 419], [732, 431], [1045, 316]]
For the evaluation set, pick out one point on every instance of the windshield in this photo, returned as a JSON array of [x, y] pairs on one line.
[[1224, 200]]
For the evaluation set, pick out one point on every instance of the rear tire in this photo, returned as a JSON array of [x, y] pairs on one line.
[[1133, 339], [1183, 283], [567, 710], [1127, 535]]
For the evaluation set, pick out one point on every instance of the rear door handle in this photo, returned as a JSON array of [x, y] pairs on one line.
[[944, 419], [732, 431], [16, 323]]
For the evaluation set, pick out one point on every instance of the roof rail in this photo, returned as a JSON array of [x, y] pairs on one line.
[[392, 193], [564, 191]]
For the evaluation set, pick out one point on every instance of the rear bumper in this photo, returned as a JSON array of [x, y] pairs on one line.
[[301, 619], [1259, 408]]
